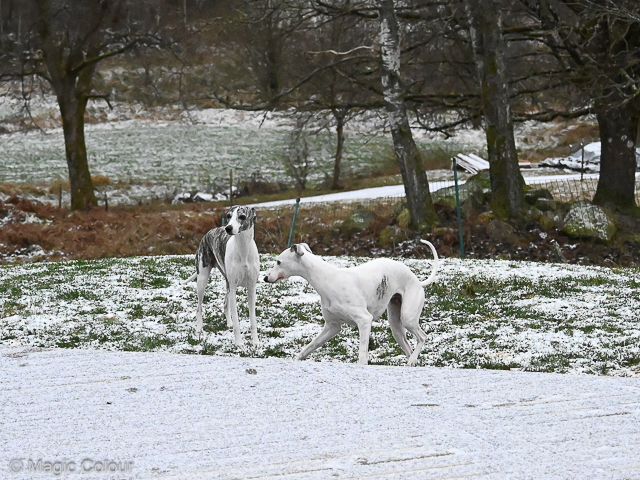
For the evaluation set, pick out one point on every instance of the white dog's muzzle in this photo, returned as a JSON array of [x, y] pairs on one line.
[[266, 279]]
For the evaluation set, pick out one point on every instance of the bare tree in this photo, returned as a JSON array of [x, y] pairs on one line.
[[297, 158], [409, 159], [63, 43], [316, 68], [597, 46], [507, 184], [340, 115], [337, 86]]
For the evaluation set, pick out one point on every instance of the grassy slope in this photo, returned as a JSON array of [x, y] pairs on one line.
[[480, 314]]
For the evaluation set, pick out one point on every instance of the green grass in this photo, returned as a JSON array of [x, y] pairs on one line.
[[479, 314], [147, 343]]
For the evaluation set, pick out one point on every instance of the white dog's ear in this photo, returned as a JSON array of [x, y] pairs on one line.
[[297, 249], [306, 247]]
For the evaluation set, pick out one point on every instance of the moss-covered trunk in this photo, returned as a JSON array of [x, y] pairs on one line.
[[507, 184], [72, 110], [71, 79], [618, 122]]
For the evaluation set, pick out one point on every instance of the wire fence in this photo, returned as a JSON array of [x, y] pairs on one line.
[[569, 190], [331, 216]]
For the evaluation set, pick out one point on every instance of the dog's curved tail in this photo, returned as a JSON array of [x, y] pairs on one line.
[[190, 279], [436, 264]]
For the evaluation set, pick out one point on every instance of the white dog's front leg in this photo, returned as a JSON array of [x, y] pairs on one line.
[[364, 328], [330, 330]]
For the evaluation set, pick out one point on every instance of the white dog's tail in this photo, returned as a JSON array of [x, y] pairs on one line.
[[190, 279], [436, 264]]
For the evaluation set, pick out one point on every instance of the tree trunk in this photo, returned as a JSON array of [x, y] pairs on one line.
[[409, 159], [72, 112], [507, 184], [618, 124], [272, 60], [72, 89], [337, 164]]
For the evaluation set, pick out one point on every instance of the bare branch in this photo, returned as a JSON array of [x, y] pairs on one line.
[[363, 47]]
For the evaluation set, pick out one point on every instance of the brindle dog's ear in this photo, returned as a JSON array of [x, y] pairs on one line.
[[254, 213], [297, 249]]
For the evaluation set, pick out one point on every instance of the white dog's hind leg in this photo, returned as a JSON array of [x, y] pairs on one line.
[[330, 330], [411, 321], [412, 305], [421, 337], [399, 332], [251, 297], [203, 277]]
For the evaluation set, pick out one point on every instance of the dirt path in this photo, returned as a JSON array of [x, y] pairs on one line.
[[182, 416]]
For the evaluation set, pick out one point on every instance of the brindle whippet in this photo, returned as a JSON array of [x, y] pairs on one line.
[[232, 249]]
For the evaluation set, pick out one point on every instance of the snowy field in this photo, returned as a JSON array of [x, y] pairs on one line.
[[480, 314], [147, 159], [161, 158], [156, 415]]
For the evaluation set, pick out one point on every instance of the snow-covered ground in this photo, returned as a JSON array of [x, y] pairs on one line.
[[532, 177], [585, 159], [157, 415], [389, 191]]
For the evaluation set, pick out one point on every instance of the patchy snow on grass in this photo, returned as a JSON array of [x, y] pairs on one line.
[[479, 314], [146, 159]]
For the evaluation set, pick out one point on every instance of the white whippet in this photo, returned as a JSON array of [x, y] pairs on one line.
[[232, 249], [359, 295]]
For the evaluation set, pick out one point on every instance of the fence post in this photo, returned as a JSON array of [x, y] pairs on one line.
[[60, 197], [293, 222], [231, 187], [455, 179], [582, 165]]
